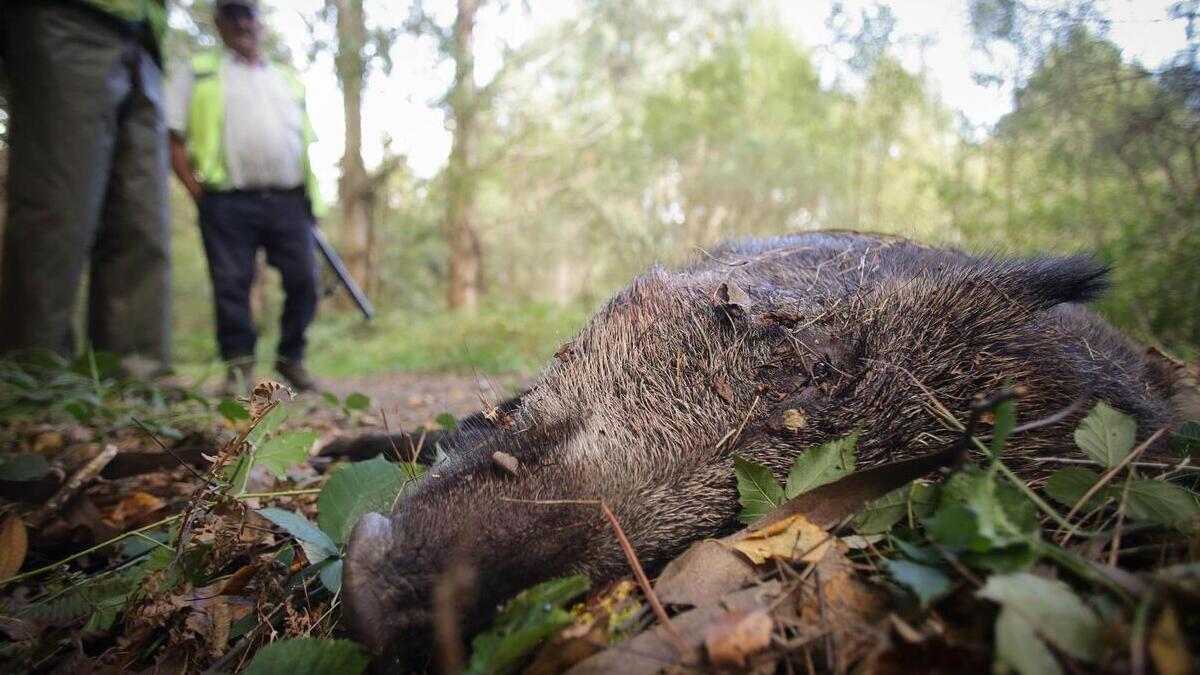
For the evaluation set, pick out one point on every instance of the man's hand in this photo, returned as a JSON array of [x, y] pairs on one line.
[[182, 166]]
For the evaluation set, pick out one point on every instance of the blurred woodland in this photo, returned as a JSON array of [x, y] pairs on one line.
[[640, 131]]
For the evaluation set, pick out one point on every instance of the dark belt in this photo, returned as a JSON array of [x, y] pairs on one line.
[[260, 192]]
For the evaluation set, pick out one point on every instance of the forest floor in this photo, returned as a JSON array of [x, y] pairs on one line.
[[116, 557]]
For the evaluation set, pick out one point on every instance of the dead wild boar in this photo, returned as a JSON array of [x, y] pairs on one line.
[[762, 348]]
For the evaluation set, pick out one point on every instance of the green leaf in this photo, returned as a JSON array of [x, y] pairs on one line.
[[525, 621], [1185, 441], [331, 575], [284, 451], [928, 583], [1067, 486], [24, 467], [268, 424], [990, 520], [820, 465], [1106, 435], [331, 398], [1006, 420], [233, 411], [1158, 501], [356, 490], [758, 491], [316, 544], [1019, 646], [1052, 609], [357, 401], [882, 514], [447, 421], [309, 656]]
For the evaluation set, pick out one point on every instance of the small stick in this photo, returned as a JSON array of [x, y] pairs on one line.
[[645, 583], [1106, 478], [167, 450], [1116, 540], [70, 488]]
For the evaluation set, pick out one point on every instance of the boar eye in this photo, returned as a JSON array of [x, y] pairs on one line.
[[821, 369]]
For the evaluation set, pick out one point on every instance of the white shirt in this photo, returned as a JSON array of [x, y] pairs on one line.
[[263, 134]]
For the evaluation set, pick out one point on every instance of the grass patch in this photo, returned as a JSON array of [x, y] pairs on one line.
[[500, 338]]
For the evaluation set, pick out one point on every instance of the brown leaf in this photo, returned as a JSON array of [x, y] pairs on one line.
[[703, 574], [794, 539], [737, 636], [237, 583], [652, 650], [14, 544], [1168, 648], [134, 508]]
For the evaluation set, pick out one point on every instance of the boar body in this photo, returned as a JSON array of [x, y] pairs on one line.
[[762, 348]]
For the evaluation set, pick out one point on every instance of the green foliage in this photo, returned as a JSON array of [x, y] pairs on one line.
[[914, 501], [1106, 435], [358, 489], [758, 491], [316, 543], [284, 451], [990, 523], [309, 656], [524, 621], [233, 411], [928, 583], [1052, 611], [820, 465], [1185, 440]]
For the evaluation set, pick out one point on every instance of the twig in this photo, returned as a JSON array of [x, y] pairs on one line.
[[661, 613], [1116, 540], [167, 450], [1161, 466], [88, 551], [1104, 480], [70, 488]]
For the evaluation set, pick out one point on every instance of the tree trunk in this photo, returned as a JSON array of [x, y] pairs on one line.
[[354, 189], [466, 255]]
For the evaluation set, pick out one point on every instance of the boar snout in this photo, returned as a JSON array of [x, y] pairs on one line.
[[380, 601]]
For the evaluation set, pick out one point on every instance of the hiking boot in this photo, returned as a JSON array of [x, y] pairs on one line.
[[238, 378], [296, 375]]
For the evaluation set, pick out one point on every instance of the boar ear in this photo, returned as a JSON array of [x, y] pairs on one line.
[[1046, 281]]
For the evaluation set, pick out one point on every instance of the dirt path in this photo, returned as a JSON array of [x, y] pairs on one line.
[[413, 399]]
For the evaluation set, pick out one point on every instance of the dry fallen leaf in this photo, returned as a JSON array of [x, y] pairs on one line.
[[702, 574], [14, 544], [794, 419], [737, 636], [794, 539], [134, 508], [1168, 648]]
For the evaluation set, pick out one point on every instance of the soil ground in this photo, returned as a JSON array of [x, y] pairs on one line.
[[410, 400]]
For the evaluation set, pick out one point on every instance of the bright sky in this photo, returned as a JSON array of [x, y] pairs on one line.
[[403, 106]]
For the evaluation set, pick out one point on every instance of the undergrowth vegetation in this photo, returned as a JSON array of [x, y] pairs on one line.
[[214, 540]]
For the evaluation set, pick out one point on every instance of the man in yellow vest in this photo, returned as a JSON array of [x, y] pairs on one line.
[[239, 143], [87, 179]]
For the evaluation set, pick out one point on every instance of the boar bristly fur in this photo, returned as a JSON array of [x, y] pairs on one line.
[[761, 348]]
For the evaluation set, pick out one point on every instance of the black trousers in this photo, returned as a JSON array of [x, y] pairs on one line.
[[234, 226], [87, 186]]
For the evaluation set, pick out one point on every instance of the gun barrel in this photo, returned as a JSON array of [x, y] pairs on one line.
[[335, 263]]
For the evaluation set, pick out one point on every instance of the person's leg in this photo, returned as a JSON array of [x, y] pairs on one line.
[[289, 245], [228, 227], [67, 83], [129, 306]]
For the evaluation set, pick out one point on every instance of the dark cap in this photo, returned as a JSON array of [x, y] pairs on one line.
[[248, 4]]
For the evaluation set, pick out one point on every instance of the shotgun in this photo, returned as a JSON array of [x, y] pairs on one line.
[[339, 269]]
